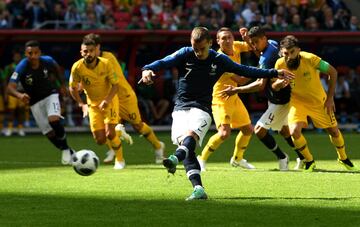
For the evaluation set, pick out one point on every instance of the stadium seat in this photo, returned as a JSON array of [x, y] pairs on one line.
[[122, 16], [225, 5]]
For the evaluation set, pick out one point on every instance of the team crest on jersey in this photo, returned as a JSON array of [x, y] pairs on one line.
[[213, 70], [307, 76], [29, 79], [45, 71], [14, 76]]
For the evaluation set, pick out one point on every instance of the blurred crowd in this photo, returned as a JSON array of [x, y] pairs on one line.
[[156, 101], [274, 15]]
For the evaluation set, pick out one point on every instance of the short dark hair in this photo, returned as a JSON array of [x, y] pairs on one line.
[[32, 43], [223, 29], [199, 34], [88, 42], [92, 36], [289, 42], [256, 31]]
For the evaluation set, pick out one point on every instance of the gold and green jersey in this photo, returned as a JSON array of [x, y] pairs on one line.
[[226, 78], [125, 89], [96, 82], [306, 87]]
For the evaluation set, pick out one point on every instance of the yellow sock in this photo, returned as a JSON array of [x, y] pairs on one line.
[[301, 146], [214, 142], [241, 143], [116, 146], [339, 144], [27, 113], [10, 125], [149, 134], [20, 126]]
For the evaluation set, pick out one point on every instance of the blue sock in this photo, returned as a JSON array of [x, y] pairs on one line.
[[269, 141], [191, 163], [187, 145], [59, 135]]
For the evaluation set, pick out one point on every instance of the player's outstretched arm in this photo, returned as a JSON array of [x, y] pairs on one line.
[[12, 90], [74, 92], [279, 84], [285, 74], [250, 71], [169, 61], [146, 77], [255, 86], [329, 102], [109, 97]]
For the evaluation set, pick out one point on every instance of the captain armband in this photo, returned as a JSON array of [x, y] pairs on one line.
[[324, 66]]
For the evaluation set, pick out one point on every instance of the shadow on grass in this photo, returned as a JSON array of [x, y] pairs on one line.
[[285, 198], [35, 151], [21, 210]]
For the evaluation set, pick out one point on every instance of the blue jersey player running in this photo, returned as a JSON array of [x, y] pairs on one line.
[[199, 68], [39, 77]]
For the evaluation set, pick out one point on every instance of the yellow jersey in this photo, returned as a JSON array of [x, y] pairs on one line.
[[306, 88], [225, 79], [97, 82], [125, 89]]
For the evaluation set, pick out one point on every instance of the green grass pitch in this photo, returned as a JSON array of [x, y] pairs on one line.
[[36, 190]]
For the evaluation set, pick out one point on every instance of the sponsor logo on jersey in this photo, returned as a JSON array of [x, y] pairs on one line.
[[213, 69], [45, 71]]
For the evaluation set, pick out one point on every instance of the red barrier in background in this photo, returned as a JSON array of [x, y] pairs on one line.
[[129, 41]]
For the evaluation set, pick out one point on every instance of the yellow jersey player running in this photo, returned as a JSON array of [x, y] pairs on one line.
[[229, 113], [15, 107], [128, 105], [100, 83], [308, 99]]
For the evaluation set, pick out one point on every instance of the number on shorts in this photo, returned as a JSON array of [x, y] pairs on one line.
[[132, 116], [56, 106], [112, 112], [271, 117]]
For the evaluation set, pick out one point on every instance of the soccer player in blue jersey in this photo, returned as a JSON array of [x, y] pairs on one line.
[[40, 78], [199, 68], [278, 93]]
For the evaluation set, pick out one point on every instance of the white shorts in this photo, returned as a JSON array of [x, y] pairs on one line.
[[49, 106], [275, 117], [195, 120]]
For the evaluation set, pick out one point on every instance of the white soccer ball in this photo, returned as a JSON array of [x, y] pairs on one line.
[[85, 162]]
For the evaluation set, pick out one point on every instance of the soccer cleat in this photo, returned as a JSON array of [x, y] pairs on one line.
[[159, 153], [299, 164], [21, 132], [119, 164], [348, 164], [284, 163], [66, 157], [202, 163], [124, 136], [110, 155], [242, 163], [8, 132], [309, 166], [170, 163], [197, 194]]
